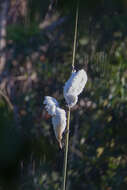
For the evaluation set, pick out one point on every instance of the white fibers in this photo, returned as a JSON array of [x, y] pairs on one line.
[[74, 86]]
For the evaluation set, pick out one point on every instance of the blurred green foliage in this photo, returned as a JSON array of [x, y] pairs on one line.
[[21, 34], [98, 134]]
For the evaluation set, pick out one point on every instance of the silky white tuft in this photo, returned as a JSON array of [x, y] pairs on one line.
[[74, 86], [59, 124], [71, 99], [51, 104], [58, 117]]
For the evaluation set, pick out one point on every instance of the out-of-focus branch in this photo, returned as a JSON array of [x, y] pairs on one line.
[[54, 24], [12, 16], [3, 22], [7, 100]]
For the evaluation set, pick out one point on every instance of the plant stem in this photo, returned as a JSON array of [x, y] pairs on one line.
[[66, 151], [75, 37], [68, 112]]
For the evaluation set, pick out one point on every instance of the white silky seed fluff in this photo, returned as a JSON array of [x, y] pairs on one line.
[[58, 117], [59, 124], [74, 86], [71, 99], [51, 104]]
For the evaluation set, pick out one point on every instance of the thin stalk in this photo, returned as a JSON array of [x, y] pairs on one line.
[[66, 151], [75, 38], [68, 112]]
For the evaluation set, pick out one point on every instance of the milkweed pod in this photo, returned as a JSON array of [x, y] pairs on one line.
[[50, 105], [74, 86], [59, 124], [71, 99]]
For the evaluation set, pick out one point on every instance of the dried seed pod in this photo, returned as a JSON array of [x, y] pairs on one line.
[[58, 117], [59, 124], [74, 86], [51, 104]]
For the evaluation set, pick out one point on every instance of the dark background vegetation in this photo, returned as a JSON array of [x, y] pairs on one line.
[[36, 41]]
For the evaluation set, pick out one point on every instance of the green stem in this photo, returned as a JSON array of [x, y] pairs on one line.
[[66, 151]]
